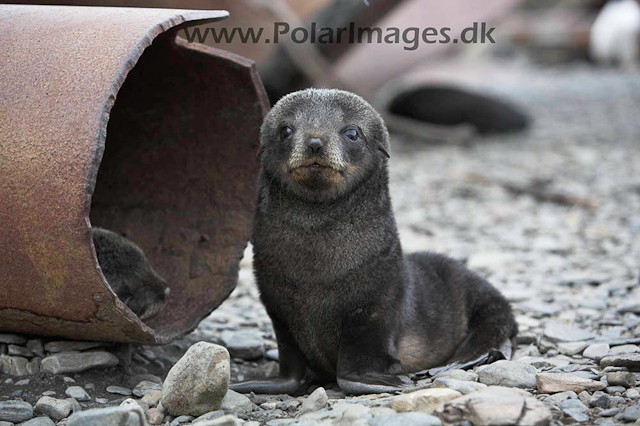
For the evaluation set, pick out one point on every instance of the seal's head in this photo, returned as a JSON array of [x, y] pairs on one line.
[[322, 143], [130, 274]]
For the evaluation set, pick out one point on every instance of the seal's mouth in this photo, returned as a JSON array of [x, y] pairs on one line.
[[314, 164]]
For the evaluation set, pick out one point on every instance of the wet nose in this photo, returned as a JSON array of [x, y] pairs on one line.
[[315, 145]]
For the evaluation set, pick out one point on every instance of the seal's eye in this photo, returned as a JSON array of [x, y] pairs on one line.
[[352, 134], [285, 132]]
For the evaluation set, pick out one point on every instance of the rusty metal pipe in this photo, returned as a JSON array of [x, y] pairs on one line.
[[108, 119]]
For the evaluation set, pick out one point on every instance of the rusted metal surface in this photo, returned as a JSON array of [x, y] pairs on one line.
[[163, 130]]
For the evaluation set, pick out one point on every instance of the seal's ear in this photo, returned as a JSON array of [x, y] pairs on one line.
[[259, 153], [384, 151]]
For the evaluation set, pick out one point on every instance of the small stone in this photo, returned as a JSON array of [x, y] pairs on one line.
[[35, 346], [572, 348], [405, 419], [180, 420], [75, 405], [577, 415], [152, 398], [198, 382], [12, 339], [70, 362], [227, 420], [561, 382], [316, 401], [119, 390], [462, 386], [15, 411], [15, 350], [557, 331], [102, 400], [14, 365], [624, 349], [77, 393], [610, 412], [629, 360], [558, 398], [39, 421], [272, 354], [68, 379], [425, 400], [600, 399], [23, 382], [458, 374], [57, 409], [632, 394], [69, 346], [211, 415], [48, 393], [236, 403], [33, 367], [621, 378], [614, 389], [154, 416], [508, 373], [596, 351], [127, 415], [496, 406], [244, 344], [631, 414], [573, 404], [145, 387]]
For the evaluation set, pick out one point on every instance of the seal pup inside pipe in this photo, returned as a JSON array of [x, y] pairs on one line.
[[345, 303]]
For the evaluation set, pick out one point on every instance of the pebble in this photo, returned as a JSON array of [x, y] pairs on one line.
[[596, 351], [77, 393], [496, 405], [15, 350], [457, 374], [152, 398], [621, 378], [14, 365], [35, 346], [57, 409], [236, 403], [180, 420], [119, 390], [631, 414], [314, 402], [425, 400], [12, 339], [558, 398], [73, 362], [600, 399], [15, 411], [624, 349], [406, 419], [70, 346], [145, 387], [39, 421], [209, 416], [562, 382], [508, 373], [227, 420], [125, 415], [244, 344], [462, 386], [557, 331], [154, 416], [198, 382], [629, 360]]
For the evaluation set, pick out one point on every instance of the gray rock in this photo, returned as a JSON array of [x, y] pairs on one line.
[[12, 339], [462, 386], [126, 415], [57, 409], [75, 405], [15, 350], [316, 401], [70, 362], [558, 398], [236, 403], [145, 387], [621, 378], [496, 406], [15, 411], [77, 393], [69, 346], [577, 415], [631, 414], [33, 367], [596, 351], [614, 389], [571, 348], [244, 344], [119, 390], [508, 373], [542, 362], [632, 394], [272, 354], [39, 421], [35, 346], [573, 404], [600, 399], [14, 365], [629, 360], [227, 420], [562, 382], [405, 419], [458, 375], [557, 331], [209, 416], [181, 420], [623, 349], [610, 412], [198, 382]]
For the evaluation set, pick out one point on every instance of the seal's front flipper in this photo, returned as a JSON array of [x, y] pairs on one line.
[[374, 383], [273, 386]]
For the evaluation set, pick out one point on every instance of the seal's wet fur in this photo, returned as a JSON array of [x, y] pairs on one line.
[[130, 274], [345, 303]]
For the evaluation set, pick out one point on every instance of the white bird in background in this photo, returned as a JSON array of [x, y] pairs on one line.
[[615, 34]]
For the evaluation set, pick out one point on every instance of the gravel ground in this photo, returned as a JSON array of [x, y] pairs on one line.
[[571, 272]]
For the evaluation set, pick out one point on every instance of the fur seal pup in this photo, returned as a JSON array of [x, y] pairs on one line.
[[130, 274], [346, 305]]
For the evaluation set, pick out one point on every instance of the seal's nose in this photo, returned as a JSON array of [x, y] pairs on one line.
[[316, 145], [167, 291]]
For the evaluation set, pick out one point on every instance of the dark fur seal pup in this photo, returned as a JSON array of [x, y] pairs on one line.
[[344, 301], [129, 274]]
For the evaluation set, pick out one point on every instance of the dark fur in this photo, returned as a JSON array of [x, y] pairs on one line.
[[130, 274], [344, 301]]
